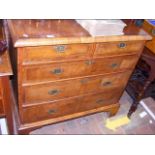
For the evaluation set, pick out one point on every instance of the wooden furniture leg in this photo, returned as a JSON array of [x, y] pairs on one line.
[[113, 111]]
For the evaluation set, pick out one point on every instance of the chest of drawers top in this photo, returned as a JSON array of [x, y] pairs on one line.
[[53, 32]]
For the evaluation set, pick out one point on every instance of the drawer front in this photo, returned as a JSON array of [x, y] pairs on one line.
[[58, 90], [56, 71], [69, 106], [118, 48], [1, 108], [57, 52], [108, 65], [42, 73]]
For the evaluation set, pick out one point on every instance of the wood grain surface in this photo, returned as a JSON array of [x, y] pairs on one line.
[[36, 32]]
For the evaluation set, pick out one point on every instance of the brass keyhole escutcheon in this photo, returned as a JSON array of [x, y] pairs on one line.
[[114, 65], [51, 111], [60, 48], [57, 71], [122, 45], [88, 62], [54, 92], [100, 101], [108, 83]]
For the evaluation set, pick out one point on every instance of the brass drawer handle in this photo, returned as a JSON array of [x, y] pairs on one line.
[[153, 32], [88, 62], [51, 111], [83, 81], [108, 83], [57, 71], [114, 65], [54, 92], [122, 45], [60, 48], [100, 101]]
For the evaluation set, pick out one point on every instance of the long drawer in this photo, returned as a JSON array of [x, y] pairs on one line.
[[118, 48], [69, 106], [57, 52], [56, 71], [68, 88]]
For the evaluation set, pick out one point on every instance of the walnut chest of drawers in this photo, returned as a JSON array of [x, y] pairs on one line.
[[62, 72]]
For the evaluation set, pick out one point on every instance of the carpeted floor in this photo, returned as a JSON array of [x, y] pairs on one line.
[[95, 124]]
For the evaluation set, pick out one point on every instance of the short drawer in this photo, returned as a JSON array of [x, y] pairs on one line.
[[118, 48], [1, 108], [113, 64], [57, 52], [57, 90], [58, 71], [69, 106]]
